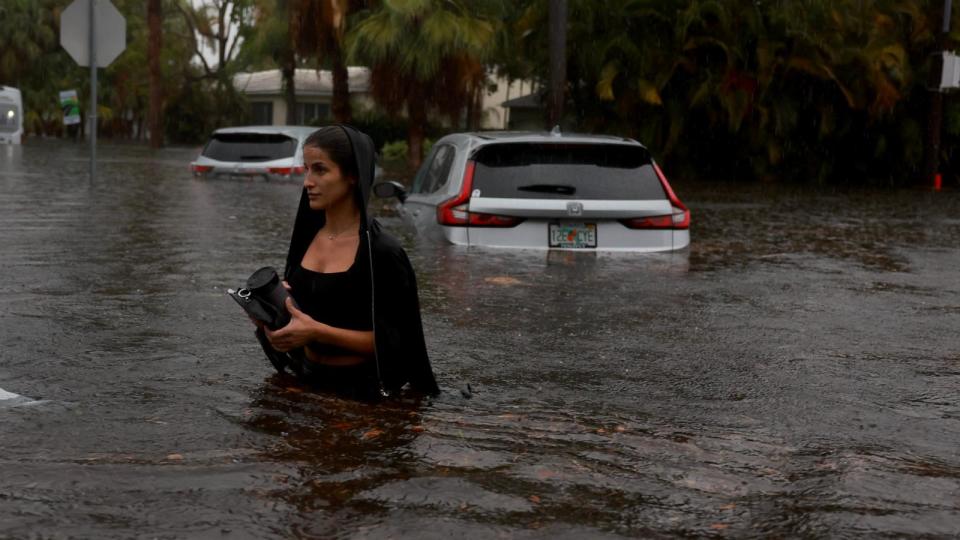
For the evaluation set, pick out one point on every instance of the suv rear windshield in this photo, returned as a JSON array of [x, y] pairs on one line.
[[566, 171], [249, 147]]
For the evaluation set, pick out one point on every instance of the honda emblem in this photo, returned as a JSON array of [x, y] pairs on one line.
[[574, 209]]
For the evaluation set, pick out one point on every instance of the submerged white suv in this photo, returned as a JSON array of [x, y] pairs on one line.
[[254, 152], [544, 191]]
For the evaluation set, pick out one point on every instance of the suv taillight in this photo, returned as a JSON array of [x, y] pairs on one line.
[[453, 211], [285, 171], [679, 219]]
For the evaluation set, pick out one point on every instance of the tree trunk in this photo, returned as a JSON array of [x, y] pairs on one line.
[[477, 108], [154, 46], [558, 62], [290, 90], [340, 107], [289, 71], [471, 123], [416, 131]]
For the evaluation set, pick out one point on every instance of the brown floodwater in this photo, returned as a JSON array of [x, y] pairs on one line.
[[794, 373]]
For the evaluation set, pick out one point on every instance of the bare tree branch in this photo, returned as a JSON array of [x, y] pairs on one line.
[[192, 26]]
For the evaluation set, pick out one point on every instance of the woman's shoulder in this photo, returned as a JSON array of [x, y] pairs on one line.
[[384, 244]]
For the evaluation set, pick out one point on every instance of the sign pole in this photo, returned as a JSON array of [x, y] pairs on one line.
[[93, 92], [931, 158], [91, 43]]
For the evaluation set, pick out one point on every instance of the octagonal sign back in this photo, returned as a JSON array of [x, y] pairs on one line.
[[109, 25]]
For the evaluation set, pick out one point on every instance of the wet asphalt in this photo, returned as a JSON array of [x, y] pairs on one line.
[[794, 373]]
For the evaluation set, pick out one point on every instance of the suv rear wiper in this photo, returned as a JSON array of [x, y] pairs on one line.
[[559, 189], [254, 158]]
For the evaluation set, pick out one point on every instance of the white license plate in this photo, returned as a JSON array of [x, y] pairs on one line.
[[573, 235]]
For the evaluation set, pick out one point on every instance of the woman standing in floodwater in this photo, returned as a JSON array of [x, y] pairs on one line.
[[359, 317]]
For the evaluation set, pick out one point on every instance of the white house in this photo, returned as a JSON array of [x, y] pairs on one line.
[[264, 90], [507, 104]]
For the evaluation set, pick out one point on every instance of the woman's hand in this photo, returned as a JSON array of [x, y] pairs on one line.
[[300, 331]]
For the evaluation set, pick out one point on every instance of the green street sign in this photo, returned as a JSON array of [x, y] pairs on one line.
[[70, 105]]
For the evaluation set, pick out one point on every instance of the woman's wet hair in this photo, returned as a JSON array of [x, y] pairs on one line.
[[334, 141]]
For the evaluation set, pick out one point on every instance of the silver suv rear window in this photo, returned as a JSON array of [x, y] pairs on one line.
[[249, 147], [566, 171]]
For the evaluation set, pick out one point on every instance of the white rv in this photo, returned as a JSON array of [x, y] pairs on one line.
[[11, 115]]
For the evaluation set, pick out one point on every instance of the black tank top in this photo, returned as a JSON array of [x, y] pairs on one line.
[[340, 299]]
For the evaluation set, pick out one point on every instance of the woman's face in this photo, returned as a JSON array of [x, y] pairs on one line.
[[326, 186]]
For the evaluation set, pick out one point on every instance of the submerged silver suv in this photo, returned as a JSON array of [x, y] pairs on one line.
[[544, 191], [254, 152]]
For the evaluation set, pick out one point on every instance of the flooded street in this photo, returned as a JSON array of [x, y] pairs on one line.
[[794, 373]]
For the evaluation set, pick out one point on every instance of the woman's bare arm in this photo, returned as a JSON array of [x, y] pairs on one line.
[[304, 330]]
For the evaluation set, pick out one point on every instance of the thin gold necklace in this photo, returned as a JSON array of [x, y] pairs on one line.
[[334, 236]]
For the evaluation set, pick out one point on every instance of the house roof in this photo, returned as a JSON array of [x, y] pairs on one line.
[[308, 82], [529, 101]]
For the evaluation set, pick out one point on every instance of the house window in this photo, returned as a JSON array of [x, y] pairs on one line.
[[262, 113], [312, 113]]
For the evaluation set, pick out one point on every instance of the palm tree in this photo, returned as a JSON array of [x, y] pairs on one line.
[[273, 40], [425, 55], [772, 82], [318, 28], [27, 31]]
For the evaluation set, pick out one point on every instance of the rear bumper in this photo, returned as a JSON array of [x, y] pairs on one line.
[[533, 234], [213, 169], [231, 174], [681, 238], [269, 177]]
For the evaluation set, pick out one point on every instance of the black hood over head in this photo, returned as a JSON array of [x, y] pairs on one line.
[[400, 349], [309, 221]]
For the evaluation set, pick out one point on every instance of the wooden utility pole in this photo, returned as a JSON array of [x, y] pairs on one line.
[[558, 62], [154, 46], [931, 157], [92, 51]]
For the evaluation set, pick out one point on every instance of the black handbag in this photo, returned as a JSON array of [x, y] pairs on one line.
[[264, 300]]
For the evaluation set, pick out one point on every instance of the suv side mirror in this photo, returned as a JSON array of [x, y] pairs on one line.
[[385, 190]]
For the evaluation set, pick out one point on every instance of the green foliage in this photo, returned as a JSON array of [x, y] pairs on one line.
[[27, 30], [807, 89], [41, 68], [31, 59], [394, 151], [816, 90], [380, 127], [193, 113], [445, 28], [426, 56], [397, 150]]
